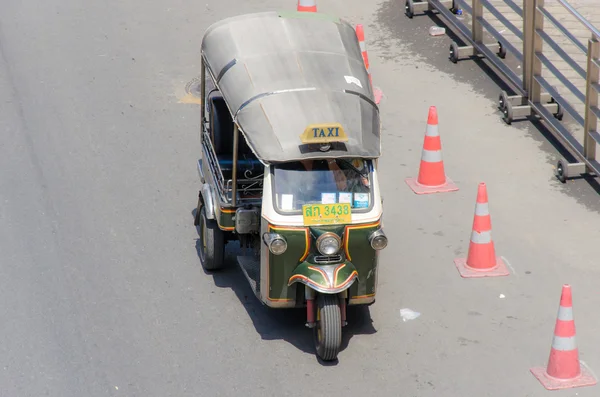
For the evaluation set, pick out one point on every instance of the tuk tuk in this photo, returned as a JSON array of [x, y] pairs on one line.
[[290, 137]]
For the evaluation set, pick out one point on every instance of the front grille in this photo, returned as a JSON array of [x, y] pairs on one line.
[[328, 258]]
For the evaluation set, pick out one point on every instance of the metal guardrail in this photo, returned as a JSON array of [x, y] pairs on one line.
[[535, 95]]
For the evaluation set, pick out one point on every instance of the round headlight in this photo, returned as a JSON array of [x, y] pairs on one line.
[[278, 246], [275, 242], [378, 240], [329, 244]]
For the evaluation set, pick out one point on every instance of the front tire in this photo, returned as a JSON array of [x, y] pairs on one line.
[[328, 330], [212, 243]]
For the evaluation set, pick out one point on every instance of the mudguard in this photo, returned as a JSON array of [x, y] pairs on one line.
[[209, 203], [327, 279]]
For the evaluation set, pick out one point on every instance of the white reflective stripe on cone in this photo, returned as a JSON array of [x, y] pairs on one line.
[[363, 47], [481, 237], [308, 3], [432, 130], [482, 209], [564, 343], [431, 156], [565, 313]]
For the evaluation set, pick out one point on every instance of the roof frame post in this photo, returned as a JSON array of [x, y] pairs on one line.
[[236, 141], [202, 89]]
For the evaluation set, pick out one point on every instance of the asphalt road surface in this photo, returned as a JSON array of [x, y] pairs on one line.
[[101, 289]]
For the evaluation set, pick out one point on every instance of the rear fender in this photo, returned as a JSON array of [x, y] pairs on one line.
[[327, 279]]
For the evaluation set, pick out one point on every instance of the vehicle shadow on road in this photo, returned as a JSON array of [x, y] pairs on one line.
[[281, 324]]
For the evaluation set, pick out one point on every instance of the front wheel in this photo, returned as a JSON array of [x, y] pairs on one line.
[[328, 330]]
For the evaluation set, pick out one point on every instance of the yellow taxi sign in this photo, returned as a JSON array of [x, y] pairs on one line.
[[324, 133]]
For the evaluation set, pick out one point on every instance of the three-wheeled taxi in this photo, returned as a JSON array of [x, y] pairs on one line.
[[290, 137]]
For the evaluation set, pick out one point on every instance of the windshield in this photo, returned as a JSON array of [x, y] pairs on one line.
[[322, 182]]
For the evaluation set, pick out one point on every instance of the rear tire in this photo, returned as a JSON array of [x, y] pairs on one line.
[[212, 243], [198, 209], [328, 331]]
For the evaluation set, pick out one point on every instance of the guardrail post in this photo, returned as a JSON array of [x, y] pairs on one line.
[[476, 14], [536, 47], [518, 106], [590, 125], [528, 32]]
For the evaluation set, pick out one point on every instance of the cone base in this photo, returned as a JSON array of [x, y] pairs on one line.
[[449, 186], [378, 94], [550, 383], [469, 272]]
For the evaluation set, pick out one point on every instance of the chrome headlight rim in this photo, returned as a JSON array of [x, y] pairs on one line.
[[324, 237], [271, 238], [378, 235]]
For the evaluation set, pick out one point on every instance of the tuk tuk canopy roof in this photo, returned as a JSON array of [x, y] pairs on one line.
[[280, 72]]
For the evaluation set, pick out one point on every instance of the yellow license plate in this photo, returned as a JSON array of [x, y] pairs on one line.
[[326, 214]]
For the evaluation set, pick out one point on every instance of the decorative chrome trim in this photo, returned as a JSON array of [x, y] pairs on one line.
[[200, 173], [213, 164], [306, 281], [323, 259], [208, 201]]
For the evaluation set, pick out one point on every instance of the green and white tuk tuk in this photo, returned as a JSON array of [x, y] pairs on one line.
[[290, 139]]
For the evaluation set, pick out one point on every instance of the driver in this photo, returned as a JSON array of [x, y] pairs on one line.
[[334, 180]]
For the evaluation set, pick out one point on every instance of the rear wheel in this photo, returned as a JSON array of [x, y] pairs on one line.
[[328, 330], [198, 209], [212, 243]]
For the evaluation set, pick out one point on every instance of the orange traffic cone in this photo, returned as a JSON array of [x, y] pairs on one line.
[[564, 370], [307, 5], [481, 260], [432, 177], [360, 34]]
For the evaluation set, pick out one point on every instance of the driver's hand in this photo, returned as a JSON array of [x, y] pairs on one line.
[[340, 180]]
